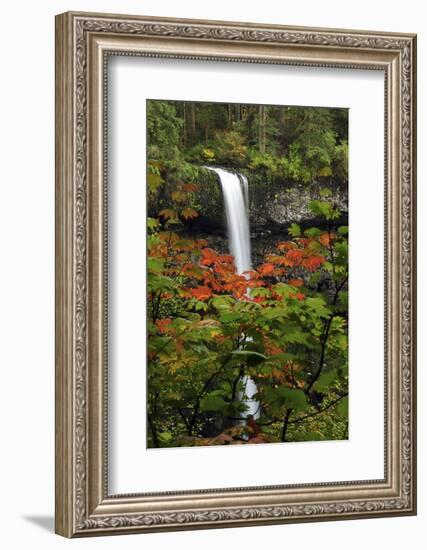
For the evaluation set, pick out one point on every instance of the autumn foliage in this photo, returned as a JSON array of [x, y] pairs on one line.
[[284, 324]]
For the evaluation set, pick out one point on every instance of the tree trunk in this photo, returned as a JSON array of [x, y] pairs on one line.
[[184, 128], [237, 111], [262, 115], [285, 424], [192, 122]]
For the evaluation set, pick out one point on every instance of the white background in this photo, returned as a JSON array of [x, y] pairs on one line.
[[27, 320], [133, 468]]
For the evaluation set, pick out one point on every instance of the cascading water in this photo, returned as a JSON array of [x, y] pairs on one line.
[[235, 190], [237, 218], [245, 191]]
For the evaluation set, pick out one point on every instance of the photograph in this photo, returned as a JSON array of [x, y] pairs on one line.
[[247, 273]]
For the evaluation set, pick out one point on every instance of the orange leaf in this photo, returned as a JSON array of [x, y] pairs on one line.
[[168, 214], [258, 439], [286, 245], [254, 429], [178, 196], [278, 260], [296, 282], [313, 262], [266, 269], [167, 236], [295, 255], [201, 292], [326, 239], [189, 213], [190, 187]]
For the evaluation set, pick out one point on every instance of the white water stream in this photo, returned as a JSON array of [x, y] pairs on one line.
[[235, 193], [235, 190]]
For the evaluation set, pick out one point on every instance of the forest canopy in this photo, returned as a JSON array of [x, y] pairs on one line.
[[279, 142]]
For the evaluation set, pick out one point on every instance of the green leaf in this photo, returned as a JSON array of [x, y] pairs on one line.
[[274, 313], [325, 380], [295, 335], [318, 306], [293, 398], [160, 282], [342, 251], [342, 407], [283, 289], [313, 436], [313, 232], [165, 437], [253, 357], [281, 357], [154, 181], [324, 209], [222, 302], [212, 403], [157, 343], [152, 223], [155, 265], [294, 230], [230, 317], [325, 192], [259, 292]]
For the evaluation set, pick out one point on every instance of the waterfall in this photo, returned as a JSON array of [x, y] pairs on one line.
[[235, 190], [249, 390], [237, 217], [245, 191]]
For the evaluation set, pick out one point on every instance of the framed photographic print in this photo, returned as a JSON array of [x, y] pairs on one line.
[[235, 274]]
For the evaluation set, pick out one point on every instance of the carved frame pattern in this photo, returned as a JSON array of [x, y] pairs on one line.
[[82, 510]]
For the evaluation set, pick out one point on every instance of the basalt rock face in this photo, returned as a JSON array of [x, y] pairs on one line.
[[282, 205], [271, 207]]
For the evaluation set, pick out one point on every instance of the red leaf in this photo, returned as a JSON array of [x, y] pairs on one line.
[[298, 295], [226, 258], [163, 324], [201, 292], [209, 256]]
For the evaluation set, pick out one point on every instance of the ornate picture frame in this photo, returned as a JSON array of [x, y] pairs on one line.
[[84, 42]]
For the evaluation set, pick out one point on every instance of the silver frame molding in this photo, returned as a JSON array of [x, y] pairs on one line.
[[83, 43]]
